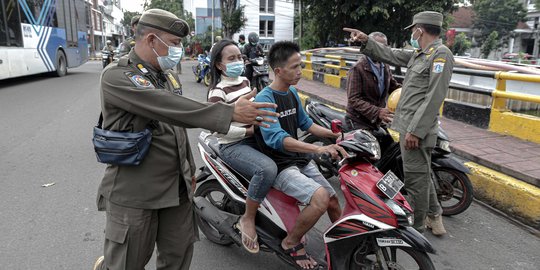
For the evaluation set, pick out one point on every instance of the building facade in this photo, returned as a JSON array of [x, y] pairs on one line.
[[105, 24]]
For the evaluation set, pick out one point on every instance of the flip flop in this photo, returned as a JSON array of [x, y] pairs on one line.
[[293, 252], [247, 237]]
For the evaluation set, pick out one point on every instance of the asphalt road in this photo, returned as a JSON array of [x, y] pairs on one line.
[[46, 126]]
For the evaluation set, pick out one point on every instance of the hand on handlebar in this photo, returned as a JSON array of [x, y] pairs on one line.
[[334, 150]]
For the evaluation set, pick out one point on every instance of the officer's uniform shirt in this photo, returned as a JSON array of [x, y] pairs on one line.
[[133, 94], [425, 85]]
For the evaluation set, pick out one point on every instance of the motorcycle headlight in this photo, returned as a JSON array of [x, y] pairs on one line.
[[395, 207], [445, 146], [404, 218], [410, 219]]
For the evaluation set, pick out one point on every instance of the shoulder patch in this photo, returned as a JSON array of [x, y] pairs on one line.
[[440, 59], [139, 81], [438, 67]]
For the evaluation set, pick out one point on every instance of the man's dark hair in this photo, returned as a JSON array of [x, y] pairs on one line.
[[242, 37], [280, 53], [430, 29]]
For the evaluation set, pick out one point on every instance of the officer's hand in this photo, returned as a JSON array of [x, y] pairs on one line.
[[411, 141], [248, 112], [385, 115], [356, 35]]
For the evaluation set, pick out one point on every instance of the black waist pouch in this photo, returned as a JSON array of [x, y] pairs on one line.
[[121, 148]]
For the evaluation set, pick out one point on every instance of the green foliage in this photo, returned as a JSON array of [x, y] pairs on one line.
[[126, 21], [232, 17], [461, 44], [387, 16], [497, 15], [490, 44]]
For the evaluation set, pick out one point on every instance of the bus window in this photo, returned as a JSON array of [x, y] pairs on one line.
[[13, 23], [35, 8], [3, 26]]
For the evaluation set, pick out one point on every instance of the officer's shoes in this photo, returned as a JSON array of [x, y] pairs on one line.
[[99, 263], [435, 224]]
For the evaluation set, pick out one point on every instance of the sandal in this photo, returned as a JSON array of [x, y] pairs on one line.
[[296, 257], [246, 237]]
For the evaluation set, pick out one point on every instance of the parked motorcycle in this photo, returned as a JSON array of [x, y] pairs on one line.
[[202, 69], [260, 73], [453, 186], [106, 57], [373, 233]]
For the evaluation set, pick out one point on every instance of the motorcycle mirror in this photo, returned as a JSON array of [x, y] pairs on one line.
[[336, 126]]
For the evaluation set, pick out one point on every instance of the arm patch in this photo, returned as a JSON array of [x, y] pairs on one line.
[[139, 81]]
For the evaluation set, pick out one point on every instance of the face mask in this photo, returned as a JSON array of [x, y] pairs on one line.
[[234, 69], [414, 42], [253, 43], [171, 59]]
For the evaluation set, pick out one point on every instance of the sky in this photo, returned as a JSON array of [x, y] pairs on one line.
[[133, 5]]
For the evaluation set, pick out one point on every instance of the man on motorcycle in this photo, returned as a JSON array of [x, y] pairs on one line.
[[429, 69], [369, 83], [252, 50], [109, 48], [241, 42], [297, 176]]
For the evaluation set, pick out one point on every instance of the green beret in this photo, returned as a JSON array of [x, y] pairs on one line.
[[164, 21], [427, 17], [135, 19]]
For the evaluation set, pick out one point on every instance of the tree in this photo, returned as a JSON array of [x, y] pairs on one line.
[[232, 17], [490, 44], [387, 16], [174, 6], [497, 15], [461, 44], [126, 21]]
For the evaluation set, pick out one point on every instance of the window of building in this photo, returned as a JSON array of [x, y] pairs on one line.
[[266, 6], [266, 28]]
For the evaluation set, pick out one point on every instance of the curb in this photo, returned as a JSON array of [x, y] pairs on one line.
[[518, 199]]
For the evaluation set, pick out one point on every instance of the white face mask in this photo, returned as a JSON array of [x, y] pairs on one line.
[[171, 59]]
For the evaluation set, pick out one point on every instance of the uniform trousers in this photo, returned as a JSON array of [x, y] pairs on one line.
[[418, 184], [131, 234]]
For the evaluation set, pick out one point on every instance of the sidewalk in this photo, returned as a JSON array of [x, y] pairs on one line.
[[505, 170]]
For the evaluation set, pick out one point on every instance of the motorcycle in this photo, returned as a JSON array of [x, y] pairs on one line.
[[202, 69], [106, 57], [453, 186], [373, 233], [260, 73]]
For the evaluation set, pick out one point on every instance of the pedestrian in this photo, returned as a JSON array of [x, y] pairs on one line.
[[241, 42], [151, 204], [369, 82], [429, 69], [238, 147]]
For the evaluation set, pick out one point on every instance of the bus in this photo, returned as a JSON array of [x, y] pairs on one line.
[[39, 36]]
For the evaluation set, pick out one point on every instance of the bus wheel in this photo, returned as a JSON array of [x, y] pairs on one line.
[[61, 64]]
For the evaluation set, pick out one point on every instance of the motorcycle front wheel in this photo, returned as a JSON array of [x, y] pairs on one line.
[[212, 191], [455, 190], [207, 78], [395, 257], [198, 74]]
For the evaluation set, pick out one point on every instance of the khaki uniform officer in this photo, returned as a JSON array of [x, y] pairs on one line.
[[150, 204], [129, 43], [429, 69]]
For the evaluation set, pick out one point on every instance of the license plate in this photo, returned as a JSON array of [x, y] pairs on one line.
[[390, 184]]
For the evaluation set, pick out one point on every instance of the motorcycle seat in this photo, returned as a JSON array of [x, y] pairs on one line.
[[214, 145], [329, 113]]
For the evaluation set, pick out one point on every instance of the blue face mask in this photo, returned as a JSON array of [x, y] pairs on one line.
[[414, 42], [171, 59], [234, 69]]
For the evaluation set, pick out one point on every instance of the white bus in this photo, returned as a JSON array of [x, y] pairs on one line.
[[38, 36]]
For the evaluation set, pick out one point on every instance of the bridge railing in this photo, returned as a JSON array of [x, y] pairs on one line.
[[492, 111]]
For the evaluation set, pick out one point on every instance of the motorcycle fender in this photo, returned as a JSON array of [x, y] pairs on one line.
[[450, 162], [406, 237]]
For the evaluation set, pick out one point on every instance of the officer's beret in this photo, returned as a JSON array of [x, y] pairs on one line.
[[427, 17], [135, 19], [164, 21]]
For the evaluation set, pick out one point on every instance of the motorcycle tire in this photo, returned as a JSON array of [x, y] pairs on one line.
[[312, 139], [204, 190], [207, 78], [455, 190], [420, 259], [198, 74]]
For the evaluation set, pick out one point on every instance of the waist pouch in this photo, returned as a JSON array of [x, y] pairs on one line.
[[121, 148]]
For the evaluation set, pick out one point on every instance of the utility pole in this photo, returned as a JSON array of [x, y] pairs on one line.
[[301, 23]]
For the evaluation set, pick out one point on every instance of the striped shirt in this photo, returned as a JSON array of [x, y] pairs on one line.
[[228, 90]]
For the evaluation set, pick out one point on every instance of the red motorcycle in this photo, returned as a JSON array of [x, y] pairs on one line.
[[374, 231]]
